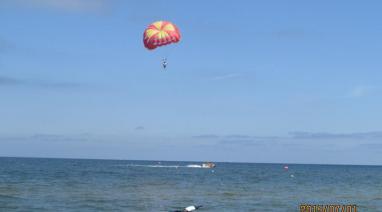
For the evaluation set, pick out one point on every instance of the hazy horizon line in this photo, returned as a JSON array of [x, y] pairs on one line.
[[192, 161]]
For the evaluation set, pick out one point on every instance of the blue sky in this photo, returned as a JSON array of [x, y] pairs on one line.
[[253, 81]]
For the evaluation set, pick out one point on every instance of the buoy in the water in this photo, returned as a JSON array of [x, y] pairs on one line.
[[286, 168]]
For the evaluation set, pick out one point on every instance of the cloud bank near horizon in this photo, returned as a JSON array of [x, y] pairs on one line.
[[11, 81], [66, 5], [330, 148]]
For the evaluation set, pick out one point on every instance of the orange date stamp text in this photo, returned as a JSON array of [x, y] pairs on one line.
[[328, 208]]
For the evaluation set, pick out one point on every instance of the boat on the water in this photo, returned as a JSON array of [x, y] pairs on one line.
[[208, 165]]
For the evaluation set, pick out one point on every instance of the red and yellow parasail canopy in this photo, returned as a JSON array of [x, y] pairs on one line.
[[160, 33]]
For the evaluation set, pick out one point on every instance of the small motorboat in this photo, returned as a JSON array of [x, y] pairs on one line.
[[208, 165]]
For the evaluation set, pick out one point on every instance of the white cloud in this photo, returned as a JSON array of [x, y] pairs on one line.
[[140, 128], [9, 81], [4, 44], [360, 91], [328, 135], [226, 76], [67, 5]]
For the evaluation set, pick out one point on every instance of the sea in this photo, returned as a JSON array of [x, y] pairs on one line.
[[37, 184]]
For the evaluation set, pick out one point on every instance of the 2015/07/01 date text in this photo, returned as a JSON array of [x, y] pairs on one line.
[[327, 208]]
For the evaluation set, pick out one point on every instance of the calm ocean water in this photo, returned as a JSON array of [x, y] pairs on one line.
[[115, 185]]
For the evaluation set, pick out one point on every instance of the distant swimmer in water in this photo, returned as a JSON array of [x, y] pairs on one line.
[[190, 208]]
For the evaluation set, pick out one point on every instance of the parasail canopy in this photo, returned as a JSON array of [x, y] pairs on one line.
[[160, 33]]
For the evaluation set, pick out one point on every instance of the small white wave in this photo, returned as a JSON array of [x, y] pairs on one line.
[[153, 166], [165, 166], [194, 166]]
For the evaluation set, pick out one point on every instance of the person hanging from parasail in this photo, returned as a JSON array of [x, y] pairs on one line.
[[164, 63], [161, 33]]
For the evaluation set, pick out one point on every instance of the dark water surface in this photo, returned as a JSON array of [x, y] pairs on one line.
[[115, 185]]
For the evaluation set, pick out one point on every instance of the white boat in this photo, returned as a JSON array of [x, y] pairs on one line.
[[208, 165]]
